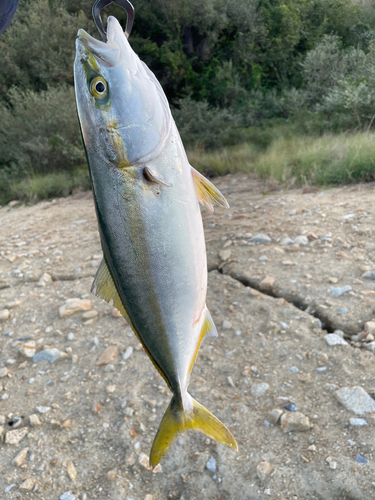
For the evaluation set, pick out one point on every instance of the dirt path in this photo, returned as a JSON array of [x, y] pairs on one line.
[[80, 427]]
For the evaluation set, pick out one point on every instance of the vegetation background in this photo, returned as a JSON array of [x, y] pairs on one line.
[[282, 87]]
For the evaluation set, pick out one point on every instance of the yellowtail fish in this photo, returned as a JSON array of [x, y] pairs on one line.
[[146, 198]]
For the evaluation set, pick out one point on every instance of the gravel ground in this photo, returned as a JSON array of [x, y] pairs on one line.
[[80, 401]]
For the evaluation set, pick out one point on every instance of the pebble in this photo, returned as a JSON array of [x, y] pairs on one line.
[[370, 275], [3, 372], [71, 336], [28, 484], [43, 409], [110, 389], [295, 422], [144, 461], [259, 390], [211, 465], [73, 306], [90, 314], [128, 352], [267, 283], [34, 420], [301, 240], [286, 241], [261, 238], [225, 254], [68, 495], [20, 458], [28, 349], [72, 471], [360, 459], [4, 314], [13, 303], [370, 327], [274, 415], [45, 279], [337, 291], [14, 437], [264, 469], [370, 347], [291, 407], [333, 339], [112, 475], [226, 324], [357, 422], [294, 369], [107, 355], [50, 355], [116, 313], [356, 399]]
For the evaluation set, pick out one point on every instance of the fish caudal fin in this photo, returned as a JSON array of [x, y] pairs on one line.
[[208, 195], [177, 420]]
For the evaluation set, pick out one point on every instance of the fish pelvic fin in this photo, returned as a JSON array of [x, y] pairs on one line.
[[208, 195], [190, 415]]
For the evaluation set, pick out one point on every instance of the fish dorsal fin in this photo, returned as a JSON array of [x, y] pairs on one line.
[[209, 327], [104, 287], [208, 195]]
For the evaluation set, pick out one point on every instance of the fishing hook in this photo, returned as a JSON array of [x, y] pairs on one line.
[[100, 4]]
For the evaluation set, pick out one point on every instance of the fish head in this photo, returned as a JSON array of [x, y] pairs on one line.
[[123, 112]]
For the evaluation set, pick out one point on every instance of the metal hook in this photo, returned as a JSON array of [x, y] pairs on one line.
[[100, 4]]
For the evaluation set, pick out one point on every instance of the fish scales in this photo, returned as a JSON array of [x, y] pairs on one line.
[[146, 199]]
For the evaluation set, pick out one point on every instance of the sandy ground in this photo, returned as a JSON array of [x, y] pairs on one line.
[[82, 426]]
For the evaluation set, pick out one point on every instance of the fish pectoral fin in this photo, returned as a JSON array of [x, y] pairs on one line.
[[153, 176], [177, 420], [208, 195], [104, 287]]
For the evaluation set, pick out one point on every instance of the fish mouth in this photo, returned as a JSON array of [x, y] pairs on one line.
[[105, 52]]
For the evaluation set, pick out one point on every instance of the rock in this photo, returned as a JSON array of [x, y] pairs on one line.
[[73, 306], [370, 327], [267, 283], [4, 314], [259, 390], [50, 355], [144, 461], [28, 349], [34, 420], [116, 313], [261, 238], [291, 407], [370, 347], [110, 389], [3, 372], [28, 484], [112, 475], [370, 275], [13, 303], [264, 469], [90, 314], [20, 458], [286, 241], [45, 279], [274, 415], [107, 356], [211, 465], [301, 240], [332, 339], [43, 409], [227, 325], [295, 422], [225, 254], [357, 422], [356, 399], [14, 437], [71, 336], [337, 291], [360, 459], [72, 471], [68, 495], [368, 293], [128, 352]]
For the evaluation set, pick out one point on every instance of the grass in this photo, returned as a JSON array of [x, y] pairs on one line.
[[327, 160]]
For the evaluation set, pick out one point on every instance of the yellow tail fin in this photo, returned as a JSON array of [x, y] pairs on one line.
[[177, 420]]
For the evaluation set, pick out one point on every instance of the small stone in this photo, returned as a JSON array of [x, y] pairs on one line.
[[337, 291], [370, 337], [264, 469], [3, 372], [28, 484], [34, 420], [28, 349], [107, 356], [116, 313], [73, 306], [332, 339], [128, 352], [43, 409], [50, 355], [333, 280], [45, 280], [71, 336], [144, 461], [286, 241], [370, 275], [90, 314], [368, 293], [259, 390], [227, 325], [68, 495], [20, 458], [361, 460], [211, 465], [225, 254], [370, 327], [294, 369], [112, 475], [356, 399], [301, 240], [267, 283], [14, 437], [261, 238], [13, 303], [291, 407], [357, 422], [305, 378], [295, 422], [274, 415], [110, 389], [230, 381], [4, 314], [370, 347], [72, 471]]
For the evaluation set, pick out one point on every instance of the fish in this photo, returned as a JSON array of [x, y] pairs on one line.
[[146, 197]]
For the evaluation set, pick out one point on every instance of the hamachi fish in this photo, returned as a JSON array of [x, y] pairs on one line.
[[146, 199]]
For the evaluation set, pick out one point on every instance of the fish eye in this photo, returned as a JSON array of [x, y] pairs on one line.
[[99, 87]]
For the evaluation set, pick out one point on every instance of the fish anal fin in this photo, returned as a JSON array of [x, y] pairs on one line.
[[178, 419], [208, 195], [208, 328]]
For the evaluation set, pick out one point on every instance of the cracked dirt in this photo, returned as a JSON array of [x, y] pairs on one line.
[[80, 427]]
